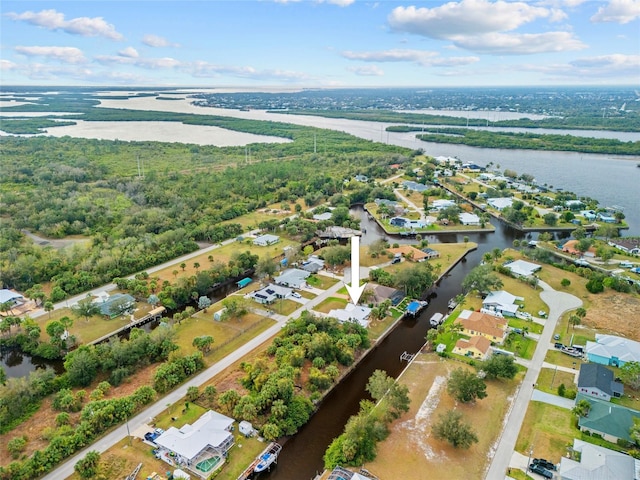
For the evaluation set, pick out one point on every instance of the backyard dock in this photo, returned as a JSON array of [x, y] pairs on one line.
[[273, 447], [155, 314]]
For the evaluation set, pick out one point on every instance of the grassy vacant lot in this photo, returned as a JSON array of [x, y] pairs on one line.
[[227, 335], [548, 430], [331, 303], [322, 282], [556, 357], [549, 380], [410, 450]]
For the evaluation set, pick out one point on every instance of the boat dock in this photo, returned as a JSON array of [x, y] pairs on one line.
[[415, 307], [155, 314], [272, 449]]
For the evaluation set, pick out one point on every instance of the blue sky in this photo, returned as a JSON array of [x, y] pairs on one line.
[[320, 43]]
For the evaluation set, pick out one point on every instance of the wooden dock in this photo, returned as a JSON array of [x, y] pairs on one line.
[[155, 314], [272, 447]]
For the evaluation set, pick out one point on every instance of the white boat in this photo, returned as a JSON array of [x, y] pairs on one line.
[[268, 457], [436, 319]]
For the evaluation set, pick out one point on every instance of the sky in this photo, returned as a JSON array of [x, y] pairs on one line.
[[320, 43]]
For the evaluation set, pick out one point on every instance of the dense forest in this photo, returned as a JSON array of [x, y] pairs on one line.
[[528, 141], [91, 188]]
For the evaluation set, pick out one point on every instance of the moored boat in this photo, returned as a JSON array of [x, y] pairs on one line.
[[415, 307], [436, 319]]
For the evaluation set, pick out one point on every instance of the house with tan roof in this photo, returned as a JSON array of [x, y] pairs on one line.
[[476, 347], [410, 253], [474, 324]]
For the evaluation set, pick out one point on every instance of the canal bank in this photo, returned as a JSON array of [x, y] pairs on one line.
[[301, 457]]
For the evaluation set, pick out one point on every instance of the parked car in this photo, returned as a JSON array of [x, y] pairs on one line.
[[540, 470], [558, 345], [296, 295], [545, 463], [396, 260], [556, 336]]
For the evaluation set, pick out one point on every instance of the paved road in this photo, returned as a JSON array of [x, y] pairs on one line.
[[558, 302], [111, 286], [103, 444]]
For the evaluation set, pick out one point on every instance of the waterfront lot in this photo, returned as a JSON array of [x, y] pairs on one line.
[[410, 450]]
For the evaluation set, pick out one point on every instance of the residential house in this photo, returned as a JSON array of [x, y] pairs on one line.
[[574, 204], [612, 350], [442, 160], [500, 203], [266, 240], [597, 463], [415, 186], [607, 218], [380, 293], [322, 216], [293, 278], [482, 324], [627, 245], [598, 382], [472, 167], [389, 203], [313, 264], [196, 446], [588, 215], [408, 223], [116, 304], [522, 268], [340, 473], [441, 204], [469, 219], [431, 253], [10, 297], [410, 253], [352, 313], [270, 294], [477, 347], [338, 232], [361, 178], [609, 420], [502, 302]]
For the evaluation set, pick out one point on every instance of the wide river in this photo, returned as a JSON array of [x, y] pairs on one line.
[[613, 180]]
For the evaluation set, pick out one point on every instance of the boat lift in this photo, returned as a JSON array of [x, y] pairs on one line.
[[407, 356]]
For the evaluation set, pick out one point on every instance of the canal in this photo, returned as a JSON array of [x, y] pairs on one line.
[[301, 457]]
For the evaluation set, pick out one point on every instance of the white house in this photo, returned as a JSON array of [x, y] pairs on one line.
[[503, 302], [270, 293], [196, 446], [522, 268], [293, 278], [597, 463], [7, 296], [613, 350], [266, 240], [352, 313], [500, 203], [442, 203], [469, 219]]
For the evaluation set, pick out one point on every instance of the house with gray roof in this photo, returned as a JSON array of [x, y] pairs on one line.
[[270, 293], [500, 203], [8, 296], [293, 278], [415, 186], [609, 420], [352, 313], [522, 268], [597, 463], [266, 240], [313, 264], [116, 304], [502, 302], [612, 350], [598, 382]]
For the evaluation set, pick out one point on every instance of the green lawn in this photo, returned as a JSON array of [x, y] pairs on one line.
[[322, 281], [521, 346], [520, 323], [547, 430], [240, 456], [331, 303], [556, 357], [550, 379]]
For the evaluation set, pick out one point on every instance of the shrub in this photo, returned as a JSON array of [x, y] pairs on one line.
[[565, 282], [562, 390], [16, 446]]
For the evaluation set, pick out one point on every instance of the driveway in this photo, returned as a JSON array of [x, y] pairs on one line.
[[556, 400], [558, 302]]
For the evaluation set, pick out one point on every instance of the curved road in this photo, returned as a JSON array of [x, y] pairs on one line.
[[558, 302]]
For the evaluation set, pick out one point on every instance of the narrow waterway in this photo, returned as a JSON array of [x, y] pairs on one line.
[[301, 457]]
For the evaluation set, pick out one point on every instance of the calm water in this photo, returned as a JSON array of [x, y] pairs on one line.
[[301, 457]]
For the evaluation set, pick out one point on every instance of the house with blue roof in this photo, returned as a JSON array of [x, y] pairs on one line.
[[612, 350]]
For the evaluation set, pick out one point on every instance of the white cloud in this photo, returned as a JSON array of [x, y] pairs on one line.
[[421, 57], [129, 52], [149, 63], [53, 20], [467, 17], [481, 26], [157, 41], [520, 44], [596, 68], [618, 11], [61, 54], [367, 71], [7, 65]]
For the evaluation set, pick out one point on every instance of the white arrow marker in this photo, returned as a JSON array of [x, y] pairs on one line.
[[355, 289]]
